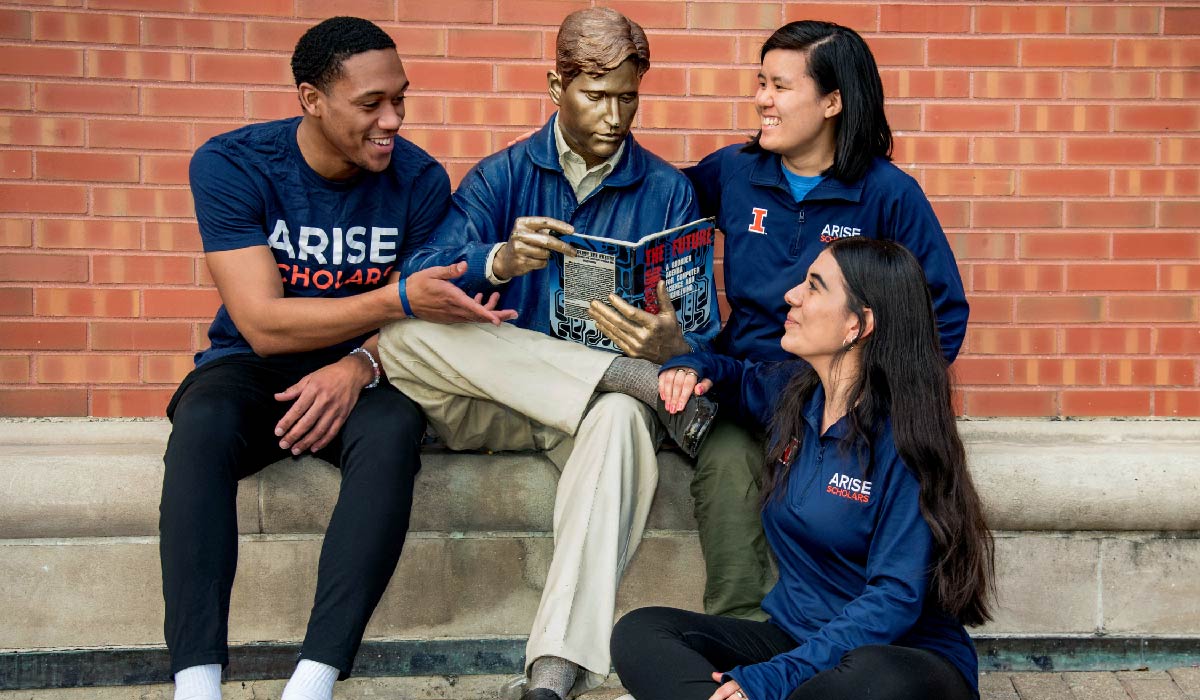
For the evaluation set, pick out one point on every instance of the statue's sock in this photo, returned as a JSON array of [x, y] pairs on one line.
[[553, 673], [632, 376]]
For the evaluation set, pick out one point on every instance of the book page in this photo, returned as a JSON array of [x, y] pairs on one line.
[[587, 277]]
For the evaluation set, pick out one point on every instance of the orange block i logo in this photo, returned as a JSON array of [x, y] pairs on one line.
[[757, 225]]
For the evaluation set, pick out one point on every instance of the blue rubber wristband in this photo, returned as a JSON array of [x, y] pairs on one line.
[[404, 299]]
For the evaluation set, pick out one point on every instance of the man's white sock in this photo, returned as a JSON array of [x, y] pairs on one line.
[[199, 683], [312, 680]]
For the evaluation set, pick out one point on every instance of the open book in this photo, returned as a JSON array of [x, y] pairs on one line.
[[683, 256]]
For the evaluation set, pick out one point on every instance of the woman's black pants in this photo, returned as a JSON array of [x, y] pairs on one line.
[[668, 654], [223, 419]]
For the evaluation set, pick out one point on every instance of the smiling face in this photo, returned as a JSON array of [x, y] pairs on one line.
[[352, 126], [819, 324], [595, 114], [797, 122]]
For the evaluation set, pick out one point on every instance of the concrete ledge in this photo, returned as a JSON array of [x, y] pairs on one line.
[[92, 478], [1087, 475], [103, 479], [1097, 539], [104, 592]]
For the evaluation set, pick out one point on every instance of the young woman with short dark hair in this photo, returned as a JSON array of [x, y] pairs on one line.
[[818, 170]]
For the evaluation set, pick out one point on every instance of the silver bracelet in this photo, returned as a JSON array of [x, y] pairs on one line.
[[374, 365]]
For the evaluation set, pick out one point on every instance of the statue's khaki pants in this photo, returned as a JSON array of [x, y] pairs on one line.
[[506, 388]]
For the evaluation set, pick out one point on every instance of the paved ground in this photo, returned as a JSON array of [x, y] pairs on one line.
[[1176, 684]]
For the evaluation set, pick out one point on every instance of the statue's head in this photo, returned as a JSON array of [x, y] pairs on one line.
[[601, 56]]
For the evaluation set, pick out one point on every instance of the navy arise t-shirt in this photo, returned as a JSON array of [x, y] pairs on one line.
[[329, 238]]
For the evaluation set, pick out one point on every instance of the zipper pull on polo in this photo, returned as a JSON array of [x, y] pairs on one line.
[[796, 240]]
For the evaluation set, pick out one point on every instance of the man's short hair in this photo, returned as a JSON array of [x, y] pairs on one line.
[[596, 41], [320, 53]]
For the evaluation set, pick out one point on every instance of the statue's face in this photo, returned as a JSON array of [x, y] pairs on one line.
[[595, 114]]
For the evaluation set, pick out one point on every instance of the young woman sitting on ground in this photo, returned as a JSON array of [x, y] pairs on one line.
[[878, 532]]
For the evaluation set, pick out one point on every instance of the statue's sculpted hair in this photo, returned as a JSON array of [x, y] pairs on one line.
[[596, 41]]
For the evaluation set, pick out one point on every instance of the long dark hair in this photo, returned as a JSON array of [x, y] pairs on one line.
[[904, 376], [839, 59]]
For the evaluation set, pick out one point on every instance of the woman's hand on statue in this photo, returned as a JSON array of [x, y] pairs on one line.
[[677, 385]]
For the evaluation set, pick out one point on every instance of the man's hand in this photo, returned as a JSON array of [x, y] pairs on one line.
[[529, 246], [656, 337], [322, 400], [435, 298], [728, 691]]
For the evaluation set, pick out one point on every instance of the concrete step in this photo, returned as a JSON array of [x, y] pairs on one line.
[[105, 592], [1086, 475], [1097, 538], [87, 478], [103, 479]]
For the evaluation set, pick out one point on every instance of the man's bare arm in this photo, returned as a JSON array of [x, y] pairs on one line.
[[249, 283]]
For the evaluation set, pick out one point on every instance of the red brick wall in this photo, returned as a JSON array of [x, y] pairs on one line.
[[1058, 141]]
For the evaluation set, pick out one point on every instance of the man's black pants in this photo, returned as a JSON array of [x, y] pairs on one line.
[[224, 415], [668, 654]]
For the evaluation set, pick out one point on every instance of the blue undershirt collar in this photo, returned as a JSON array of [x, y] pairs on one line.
[[799, 184]]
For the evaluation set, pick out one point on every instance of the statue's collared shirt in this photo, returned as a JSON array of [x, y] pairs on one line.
[[582, 178], [583, 181]]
